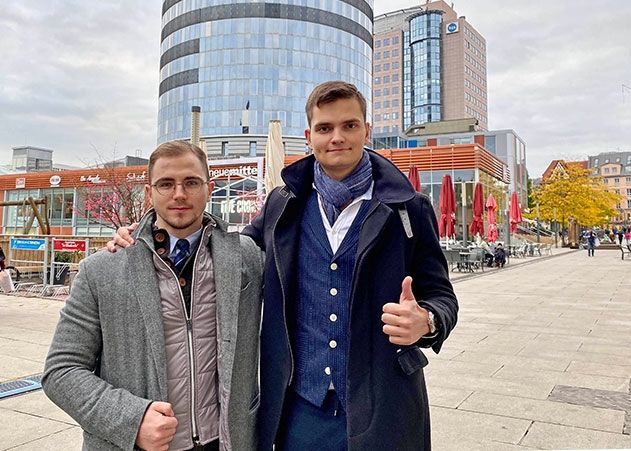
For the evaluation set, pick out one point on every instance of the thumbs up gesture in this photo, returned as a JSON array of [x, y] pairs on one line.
[[405, 322]]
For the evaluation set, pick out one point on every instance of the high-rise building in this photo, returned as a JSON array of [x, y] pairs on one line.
[[245, 63], [429, 65]]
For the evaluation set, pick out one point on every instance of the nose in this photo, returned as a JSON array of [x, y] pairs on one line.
[[178, 191], [338, 135]]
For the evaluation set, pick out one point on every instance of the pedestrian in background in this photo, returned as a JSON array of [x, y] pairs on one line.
[[591, 243]]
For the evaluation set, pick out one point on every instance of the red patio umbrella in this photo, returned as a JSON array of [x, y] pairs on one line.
[[415, 179], [447, 202], [491, 205], [514, 212], [477, 225]]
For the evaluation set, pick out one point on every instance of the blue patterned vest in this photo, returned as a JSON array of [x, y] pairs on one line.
[[325, 280]]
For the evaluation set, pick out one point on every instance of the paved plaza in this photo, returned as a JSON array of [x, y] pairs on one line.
[[540, 359]]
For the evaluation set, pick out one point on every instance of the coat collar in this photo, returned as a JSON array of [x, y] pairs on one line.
[[146, 224], [391, 186]]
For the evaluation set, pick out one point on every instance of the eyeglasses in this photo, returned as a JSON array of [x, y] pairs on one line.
[[166, 187]]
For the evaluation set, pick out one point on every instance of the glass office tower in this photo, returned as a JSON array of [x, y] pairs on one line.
[[247, 62]]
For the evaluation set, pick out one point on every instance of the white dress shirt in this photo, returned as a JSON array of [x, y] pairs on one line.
[[337, 232]]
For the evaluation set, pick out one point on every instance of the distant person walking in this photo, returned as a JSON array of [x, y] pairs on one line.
[[591, 243]]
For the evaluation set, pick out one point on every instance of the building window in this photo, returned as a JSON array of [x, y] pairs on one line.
[[378, 43], [252, 148], [606, 170], [616, 181], [386, 41], [225, 149]]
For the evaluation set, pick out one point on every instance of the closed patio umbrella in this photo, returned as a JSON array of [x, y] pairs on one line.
[[514, 212], [274, 156], [447, 203], [491, 206], [415, 179], [477, 225]]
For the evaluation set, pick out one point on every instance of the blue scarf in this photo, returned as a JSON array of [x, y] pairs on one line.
[[336, 195]]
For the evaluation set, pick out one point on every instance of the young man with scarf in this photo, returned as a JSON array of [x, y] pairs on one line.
[[355, 283]]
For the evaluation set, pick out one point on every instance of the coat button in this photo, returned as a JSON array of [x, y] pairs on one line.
[[160, 237], [333, 344], [327, 371], [333, 291], [333, 317], [161, 251], [182, 281], [333, 266]]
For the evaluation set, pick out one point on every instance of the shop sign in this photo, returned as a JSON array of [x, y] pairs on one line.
[[241, 171], [133, 177], [30, 244], [55, 180], [20, 182], [69, 245], [96, 179], [239, 206]]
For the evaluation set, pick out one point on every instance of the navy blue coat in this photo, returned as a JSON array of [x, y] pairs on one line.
[[387, 400]]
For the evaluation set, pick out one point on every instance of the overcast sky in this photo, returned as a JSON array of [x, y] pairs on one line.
[[78, 76]]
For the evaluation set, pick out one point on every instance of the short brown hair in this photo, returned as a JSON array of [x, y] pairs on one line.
[[175, 149], [331, 91]]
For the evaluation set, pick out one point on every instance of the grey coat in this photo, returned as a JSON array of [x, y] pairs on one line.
[[107, 361]]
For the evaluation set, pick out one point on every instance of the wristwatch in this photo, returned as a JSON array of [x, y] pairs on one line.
[[431, 322]]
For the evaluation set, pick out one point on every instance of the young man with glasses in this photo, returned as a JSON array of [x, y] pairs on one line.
[[144, 352]]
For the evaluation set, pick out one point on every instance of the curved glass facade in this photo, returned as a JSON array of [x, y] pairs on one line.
[[228, 57], [422, 71]]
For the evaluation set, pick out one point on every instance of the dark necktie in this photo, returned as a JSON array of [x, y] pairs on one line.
[[180, 253]]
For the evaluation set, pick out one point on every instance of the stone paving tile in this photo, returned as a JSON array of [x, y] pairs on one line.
[[554, 436], [480, 383], [547, 411], [36, 403], [590, 397], [14, 368], [558, 364], [613, 351], [25, 428], [24, 350], [453, 425], [602, 369], [67, 440], [564, 378], [465, 367], [448, 397]]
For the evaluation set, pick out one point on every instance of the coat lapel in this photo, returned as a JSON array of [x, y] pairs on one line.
[[143, 275], [226, 255], [375, 221]]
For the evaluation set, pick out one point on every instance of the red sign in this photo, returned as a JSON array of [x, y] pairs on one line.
[[69, 245]]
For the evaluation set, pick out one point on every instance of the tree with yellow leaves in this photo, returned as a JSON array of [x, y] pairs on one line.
[[575, 193]]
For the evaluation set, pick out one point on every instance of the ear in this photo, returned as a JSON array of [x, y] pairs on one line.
[[149, 194], [308, 136], [211, 187], [368, 129]]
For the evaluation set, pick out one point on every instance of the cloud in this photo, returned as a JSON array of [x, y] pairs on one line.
[[77, 75]]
